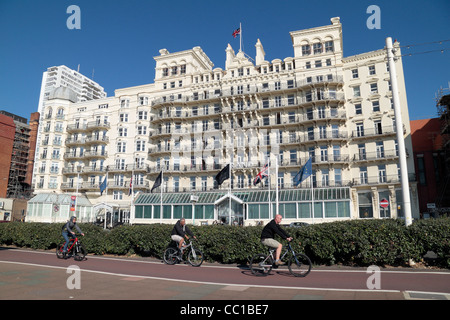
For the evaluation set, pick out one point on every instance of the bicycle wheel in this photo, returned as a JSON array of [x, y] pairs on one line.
[[79, 252], [59, 251], [299, 265], [170, 255], [261, 264], [195, 258]]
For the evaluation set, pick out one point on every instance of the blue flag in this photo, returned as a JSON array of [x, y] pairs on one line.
[[103, 185], [304, 173]]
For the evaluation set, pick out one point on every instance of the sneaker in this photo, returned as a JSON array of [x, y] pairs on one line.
[[65, 255], [279, 263]]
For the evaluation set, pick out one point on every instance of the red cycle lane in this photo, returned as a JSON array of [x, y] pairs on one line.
[[319, 278]]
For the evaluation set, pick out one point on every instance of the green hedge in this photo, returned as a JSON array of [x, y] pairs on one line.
[[355, 242]]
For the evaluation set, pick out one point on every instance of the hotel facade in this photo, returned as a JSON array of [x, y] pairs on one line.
[[195, 119]]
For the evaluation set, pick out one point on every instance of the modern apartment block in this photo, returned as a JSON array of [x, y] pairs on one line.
[[63, 77], [195, 119]]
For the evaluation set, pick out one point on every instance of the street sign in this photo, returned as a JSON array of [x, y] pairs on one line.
[[384, 203]]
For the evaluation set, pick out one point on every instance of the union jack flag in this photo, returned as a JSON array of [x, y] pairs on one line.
[[236, 32], [261, 175]]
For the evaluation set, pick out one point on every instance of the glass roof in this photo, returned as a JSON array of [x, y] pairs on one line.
[[249, 196]]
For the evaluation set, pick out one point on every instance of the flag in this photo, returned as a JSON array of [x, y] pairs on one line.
[[103, 185], [223, 175], [157, 182], [304, 173], [236, 32], [131, 185], [261, 175]]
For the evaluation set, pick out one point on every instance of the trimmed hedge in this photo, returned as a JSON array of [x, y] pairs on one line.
[[354, 242]]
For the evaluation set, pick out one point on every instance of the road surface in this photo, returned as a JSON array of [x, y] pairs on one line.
[[39, 275]]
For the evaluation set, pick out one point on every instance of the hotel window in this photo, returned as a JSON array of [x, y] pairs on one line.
[[125, 103], [121, 147], [359, 129], [380, 149], [363, 175], [143, 101], [356, 91], [329, 46], [355, 73], [290, 84], [306, 50], [278, 101], [375, 106], [174, 70], [172, 84], [373, 88], [142, 115], [241, 72], [338, 177], [122, 132], [325, 177], [142, 130], [328, 62], [291, 100], [183, 69], [308, 65], [317, 48], [371, 70], [165, 72], [123, 117], [278, 85], [382, 174], [318, 63]]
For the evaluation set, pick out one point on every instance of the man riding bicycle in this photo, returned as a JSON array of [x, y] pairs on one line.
[[267, 237], [67, 230], [181, 231]]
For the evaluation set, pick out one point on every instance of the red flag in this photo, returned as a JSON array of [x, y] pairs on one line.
[[236, 32]]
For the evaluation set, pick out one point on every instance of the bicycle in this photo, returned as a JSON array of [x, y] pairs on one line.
[[172, 255], [75, 248], [299, 264]]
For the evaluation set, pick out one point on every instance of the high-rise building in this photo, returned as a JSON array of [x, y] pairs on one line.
[[63, 77], [195, 119]]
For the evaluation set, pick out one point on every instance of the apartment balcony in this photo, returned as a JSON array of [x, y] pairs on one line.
[[73, 155], [97, 140], [90, 126], [375, 156], [75, 142], [243, 89], [380, 180], [95, 154], [366, 133]]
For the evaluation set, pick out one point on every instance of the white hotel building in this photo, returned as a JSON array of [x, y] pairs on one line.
[[195, 119]]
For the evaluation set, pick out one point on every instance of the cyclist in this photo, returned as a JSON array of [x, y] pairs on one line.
[[267, 237], [181, 231], [67, 231]]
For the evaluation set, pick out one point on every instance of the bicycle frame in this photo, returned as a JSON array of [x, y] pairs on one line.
[[74, 241]]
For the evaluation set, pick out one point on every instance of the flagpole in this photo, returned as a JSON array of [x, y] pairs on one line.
[[229, 194], [312, 198], [161, 191], [276, 186], [106, 213], [270, 198], [240, 37]]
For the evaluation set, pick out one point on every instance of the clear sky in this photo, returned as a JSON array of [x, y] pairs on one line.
[[118, 39]]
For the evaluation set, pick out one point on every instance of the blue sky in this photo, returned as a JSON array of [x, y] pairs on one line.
[[118, 39]]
